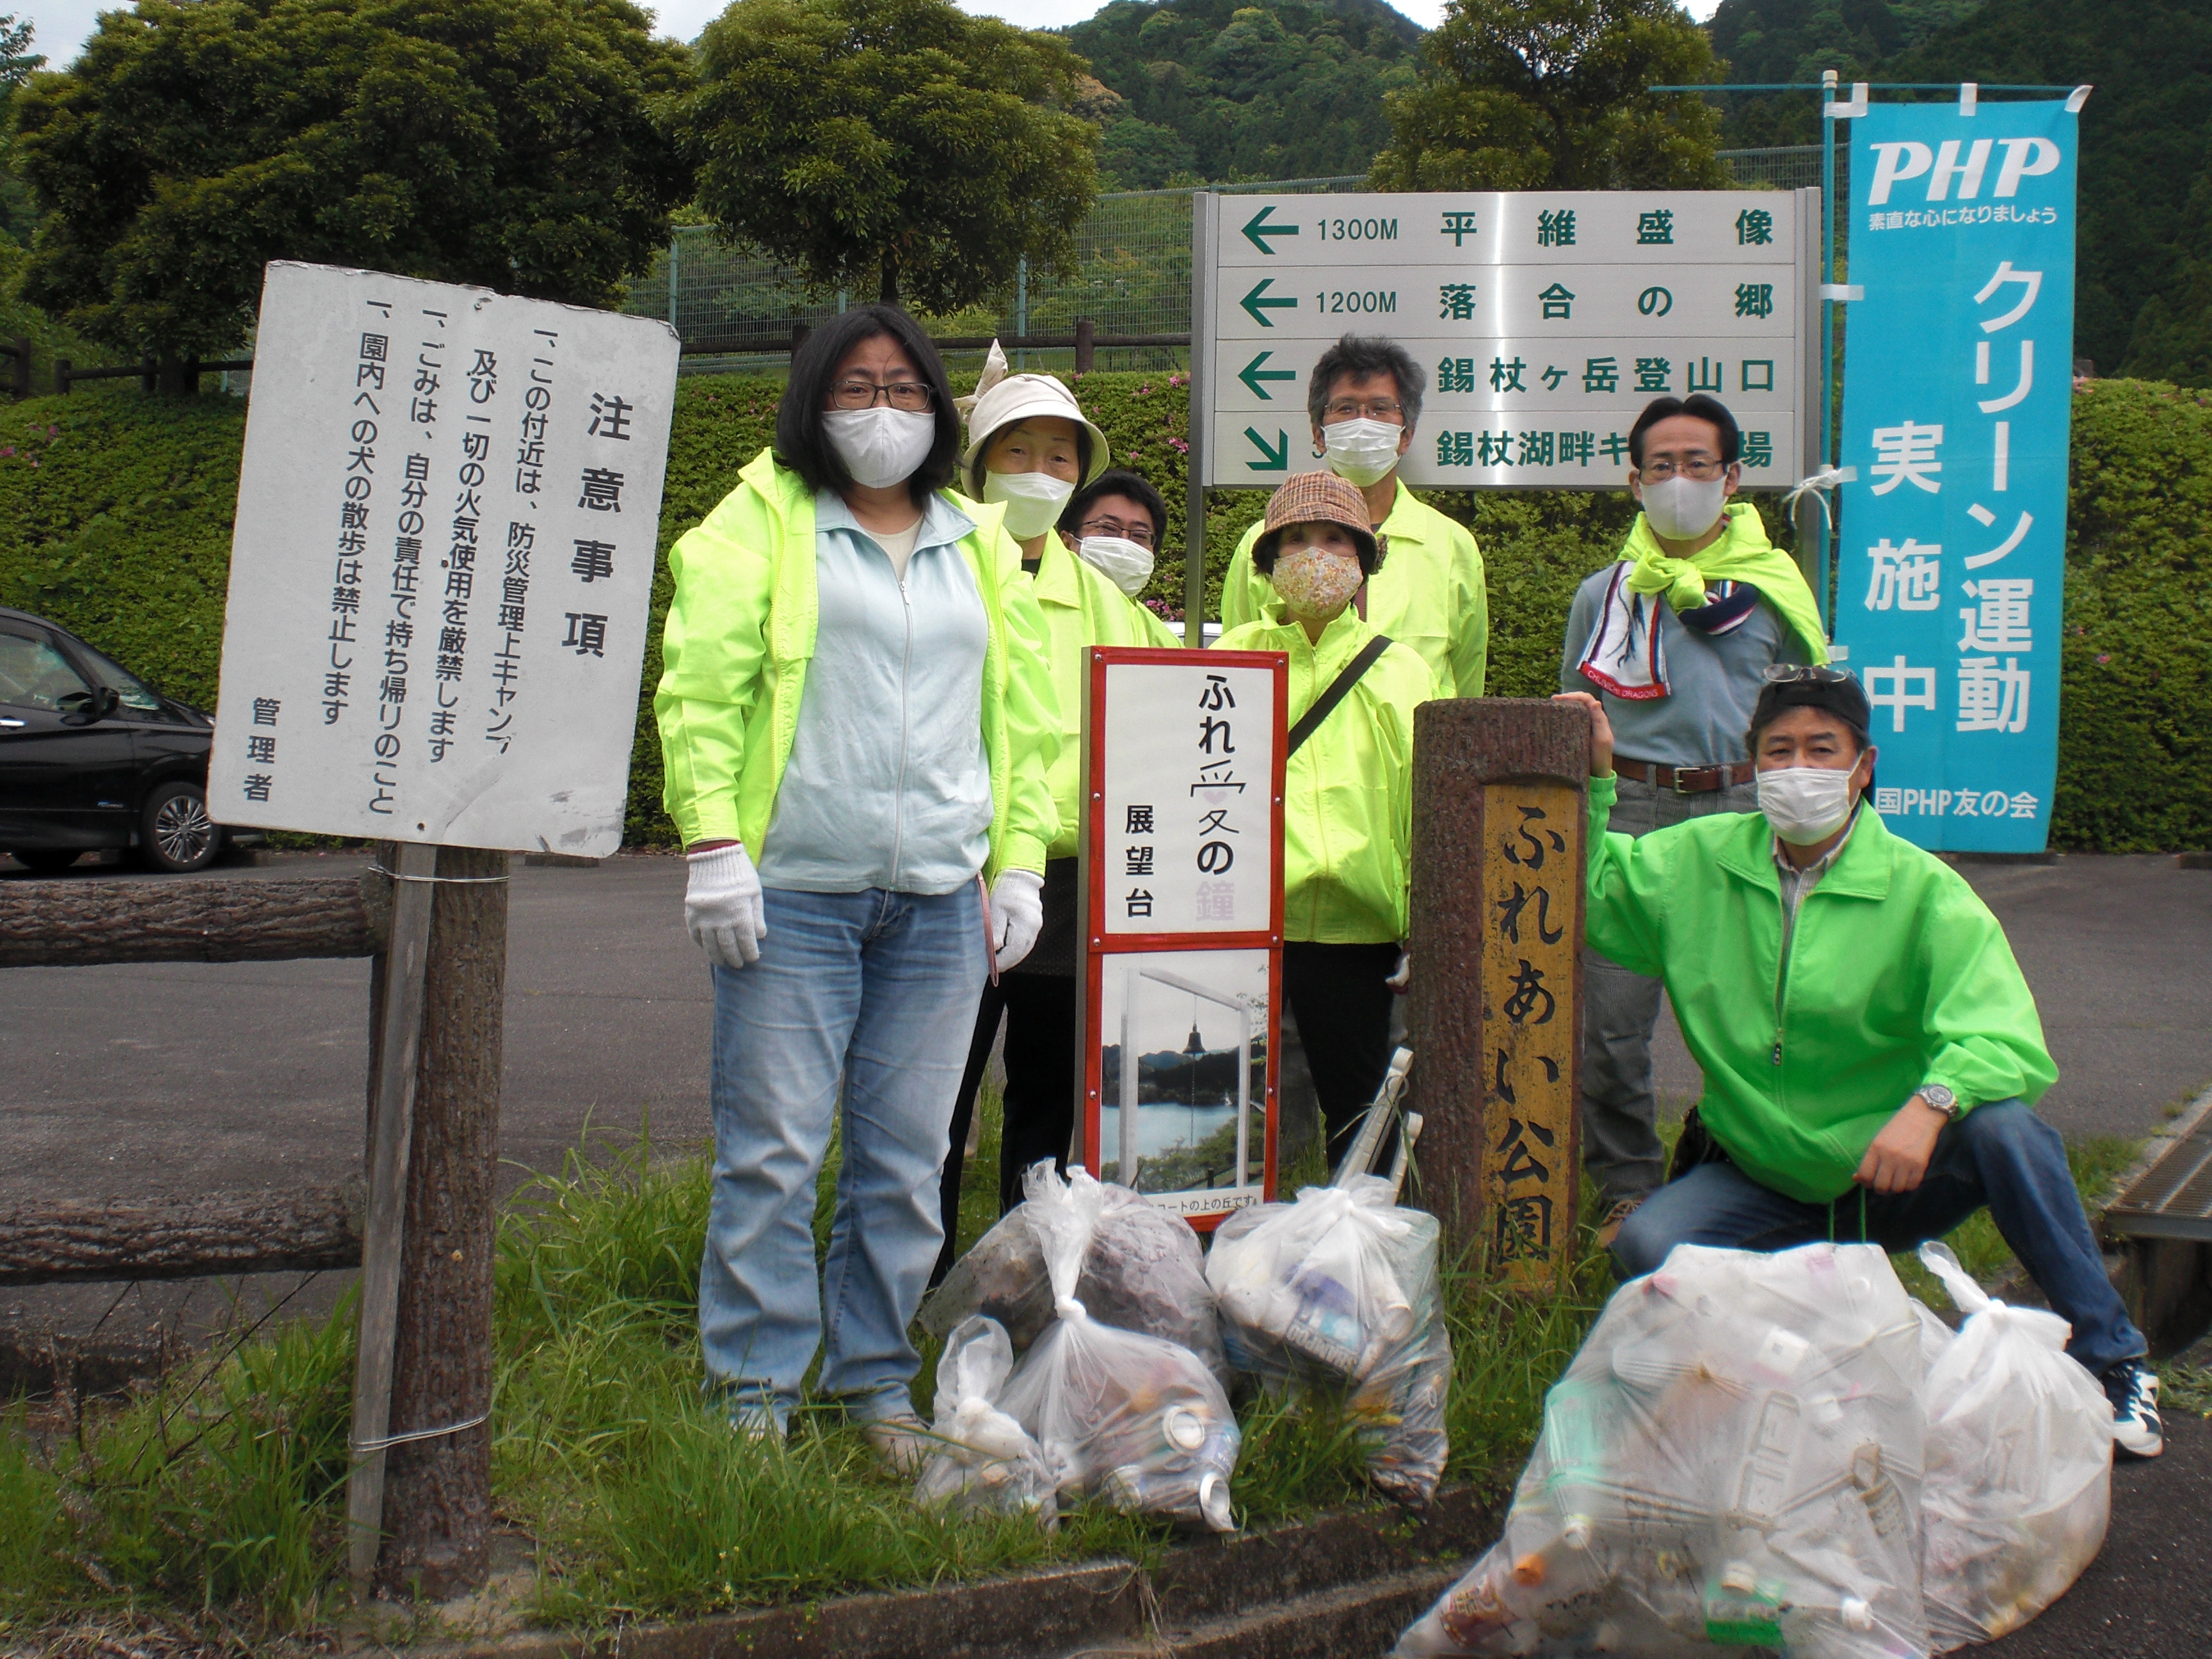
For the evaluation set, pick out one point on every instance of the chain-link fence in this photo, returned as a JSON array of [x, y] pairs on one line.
[[735, 310], [1789, 166]]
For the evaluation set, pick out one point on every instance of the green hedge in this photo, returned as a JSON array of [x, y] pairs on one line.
[[115, 517]]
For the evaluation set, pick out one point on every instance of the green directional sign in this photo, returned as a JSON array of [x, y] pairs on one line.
[[1277, 459], [1252, 375], [1257, 308], [1257, 226]]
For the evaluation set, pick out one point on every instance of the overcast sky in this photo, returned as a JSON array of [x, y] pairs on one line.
[[62, 24]]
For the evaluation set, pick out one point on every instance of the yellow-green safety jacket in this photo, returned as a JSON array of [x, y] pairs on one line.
[[1347, 794], [740, 635], [1429, 594], [1080, 607], [1896, 975]]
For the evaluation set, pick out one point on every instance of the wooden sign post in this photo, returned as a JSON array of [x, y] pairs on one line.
[[1500, 799]]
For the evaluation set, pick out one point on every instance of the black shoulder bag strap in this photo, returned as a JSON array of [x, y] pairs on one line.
[[1325, 705]]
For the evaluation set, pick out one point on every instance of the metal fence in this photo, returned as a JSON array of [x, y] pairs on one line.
[[735, 310]]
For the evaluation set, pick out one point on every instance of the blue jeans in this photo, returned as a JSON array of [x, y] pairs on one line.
[[2002, 1155], [879, 990]]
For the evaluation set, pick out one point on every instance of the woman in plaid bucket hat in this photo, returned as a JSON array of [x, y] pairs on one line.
[[1347, 812]]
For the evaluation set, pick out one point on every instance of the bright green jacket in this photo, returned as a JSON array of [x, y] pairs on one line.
[[1429, 594], [1347, 794], [1080, 608], [739, 637], [1898, 976]]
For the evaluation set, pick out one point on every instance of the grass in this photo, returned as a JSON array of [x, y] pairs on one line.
[[219, 1495]]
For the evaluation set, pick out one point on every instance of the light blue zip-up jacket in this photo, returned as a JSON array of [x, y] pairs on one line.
[[888, 784]]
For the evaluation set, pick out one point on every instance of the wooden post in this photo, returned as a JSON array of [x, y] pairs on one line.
[[438, 1490], [20, 381], [798, 333], [62, 367], [1086, 344], [1500, 795], [396, 1017]]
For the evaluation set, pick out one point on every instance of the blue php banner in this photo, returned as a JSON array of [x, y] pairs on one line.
[[1957, 388]]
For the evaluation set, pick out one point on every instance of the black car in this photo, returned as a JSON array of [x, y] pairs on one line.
[[91, 756]]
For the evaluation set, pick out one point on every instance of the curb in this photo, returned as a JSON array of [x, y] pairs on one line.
[[1344, 1584]]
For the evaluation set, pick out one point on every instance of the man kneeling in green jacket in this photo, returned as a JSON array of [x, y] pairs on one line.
[[1861, 1023]]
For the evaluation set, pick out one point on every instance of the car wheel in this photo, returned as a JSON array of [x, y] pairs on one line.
[[175, 832], [47, 861]]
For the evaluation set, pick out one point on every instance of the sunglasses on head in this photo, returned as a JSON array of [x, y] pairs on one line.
[[1790, 673]]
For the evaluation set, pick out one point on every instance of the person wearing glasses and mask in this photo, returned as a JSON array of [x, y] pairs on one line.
[[1363, 398], [1673, 637], [1872, 1054], [1030, 447], [856, 721]]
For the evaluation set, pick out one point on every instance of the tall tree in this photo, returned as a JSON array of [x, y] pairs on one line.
[[1526, 94], [514, 143], [900, 145]]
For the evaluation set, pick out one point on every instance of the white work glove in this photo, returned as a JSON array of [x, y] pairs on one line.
[[722, 906], [1016, 914]]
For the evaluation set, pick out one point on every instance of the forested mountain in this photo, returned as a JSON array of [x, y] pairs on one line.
[[2144, 272], [1216, 89]]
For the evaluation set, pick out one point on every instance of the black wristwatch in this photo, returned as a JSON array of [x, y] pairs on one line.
[[1941, 1098]]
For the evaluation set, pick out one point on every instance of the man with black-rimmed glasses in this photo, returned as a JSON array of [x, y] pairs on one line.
[[1673, 637]]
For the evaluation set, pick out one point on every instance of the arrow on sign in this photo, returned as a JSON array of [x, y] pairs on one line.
[[1252, 375], [1257, 226], [1257, 308], [1278, 459]]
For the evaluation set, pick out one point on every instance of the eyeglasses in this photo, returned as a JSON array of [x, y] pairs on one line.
[[1658, 470], [1140, 533], [1374, 409], [1790, 673], [912, 395]]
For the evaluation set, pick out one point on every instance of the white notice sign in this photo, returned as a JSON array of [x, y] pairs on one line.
[[1546, 321], [1187, 837], [442, 566]]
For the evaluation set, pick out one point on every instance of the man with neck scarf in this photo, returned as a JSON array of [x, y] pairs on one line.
[[1673, 637]]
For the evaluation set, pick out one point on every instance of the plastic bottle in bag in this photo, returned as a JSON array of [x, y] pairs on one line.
[[1342, 1287], [1134, 1420], [1731, 1461], [2019, 1464], [983, 1459], [1143, 1271]]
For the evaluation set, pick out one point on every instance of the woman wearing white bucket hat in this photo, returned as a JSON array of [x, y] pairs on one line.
[[1030, 447]]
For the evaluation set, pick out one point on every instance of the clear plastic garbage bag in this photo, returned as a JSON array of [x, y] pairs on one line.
[[1733, 1461], [1342, 1287], [1134, 1420], [2020, 1466], [1145, 1271], [983, 1460]]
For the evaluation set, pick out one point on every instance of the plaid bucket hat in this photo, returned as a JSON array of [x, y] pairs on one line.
[[1319, 498]]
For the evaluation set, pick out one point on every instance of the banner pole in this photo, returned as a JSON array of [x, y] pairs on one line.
[[1202, 208], [1826, 563]]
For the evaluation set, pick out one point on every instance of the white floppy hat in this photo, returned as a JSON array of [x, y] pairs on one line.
[[1001, 399]]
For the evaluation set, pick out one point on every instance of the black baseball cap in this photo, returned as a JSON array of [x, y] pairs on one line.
[[1791, 686]]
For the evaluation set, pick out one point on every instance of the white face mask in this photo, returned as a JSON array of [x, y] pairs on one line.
[[880, 446], [1806, 804], [1682, 509], [1314, 585], [1033, 501], [1122, 562], [1362, 451]]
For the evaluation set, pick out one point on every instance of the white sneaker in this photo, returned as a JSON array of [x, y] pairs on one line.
[[2132, 1386], [757, 1424]]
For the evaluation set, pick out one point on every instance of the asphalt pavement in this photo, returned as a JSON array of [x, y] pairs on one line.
[[188, 1079]]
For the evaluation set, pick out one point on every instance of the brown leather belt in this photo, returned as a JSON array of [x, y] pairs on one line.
[[1685, 780]]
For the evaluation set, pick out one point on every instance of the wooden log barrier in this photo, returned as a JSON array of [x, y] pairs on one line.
[[56, 924], [1500, 799], [117, 1240]]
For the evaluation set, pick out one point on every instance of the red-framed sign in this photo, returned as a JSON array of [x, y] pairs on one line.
[[1181, 968]]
